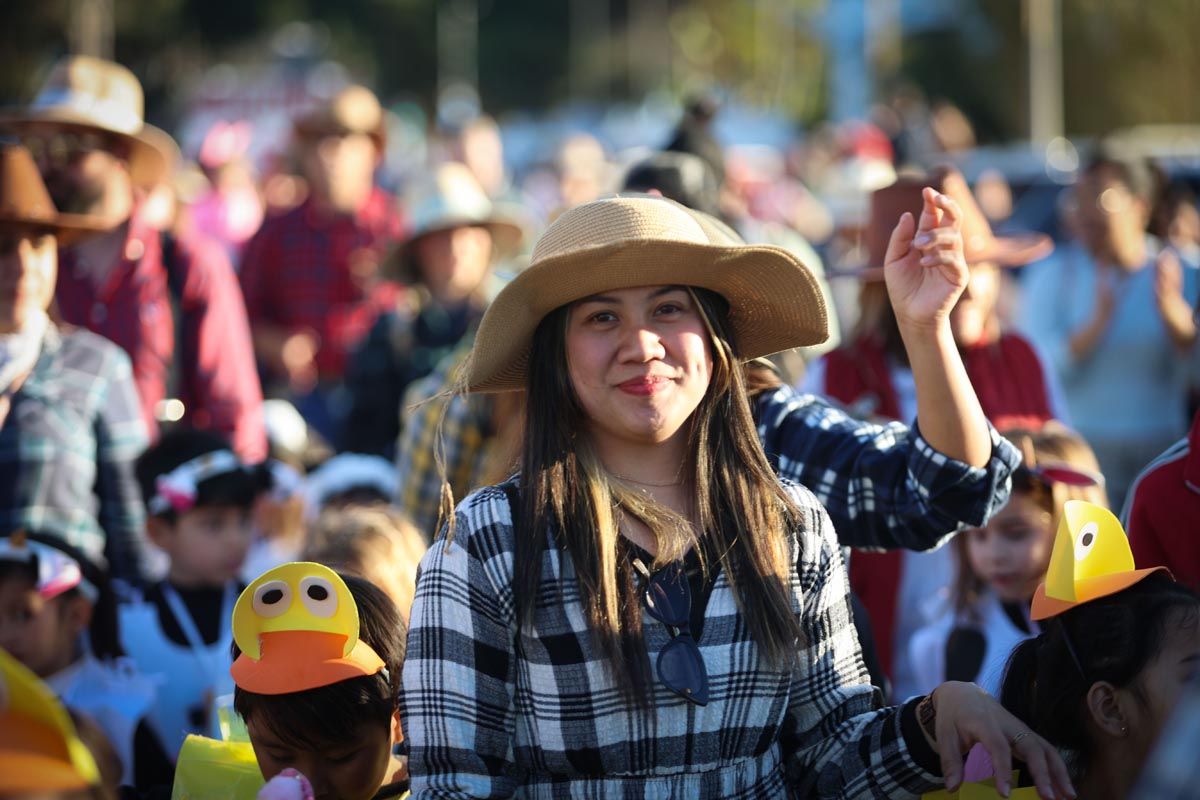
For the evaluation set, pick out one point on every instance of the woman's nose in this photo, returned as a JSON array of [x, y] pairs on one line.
[[641, 343]]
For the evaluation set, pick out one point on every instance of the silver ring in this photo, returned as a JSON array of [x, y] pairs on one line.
[[1018, 738]]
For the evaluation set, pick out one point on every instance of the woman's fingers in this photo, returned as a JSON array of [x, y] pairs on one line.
[[937, 257], [951, 758], [1045, 766], [901, 240], [952, 214], [996, 743], [931, 212], [938, 237]]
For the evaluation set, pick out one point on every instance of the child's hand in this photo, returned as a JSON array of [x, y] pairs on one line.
[[287, 785], [924, 267]]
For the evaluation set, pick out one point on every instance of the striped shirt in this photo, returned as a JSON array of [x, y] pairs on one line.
[[493, 708]]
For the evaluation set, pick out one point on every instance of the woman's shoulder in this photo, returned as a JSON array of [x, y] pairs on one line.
[[483, 521]]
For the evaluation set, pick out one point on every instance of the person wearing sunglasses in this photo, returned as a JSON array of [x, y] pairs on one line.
[[645, 609], [997, 568]]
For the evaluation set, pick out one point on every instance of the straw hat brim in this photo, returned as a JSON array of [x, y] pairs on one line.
[[506, 243], [152, 151], [775, 302], [1004, 251], [67, 228]]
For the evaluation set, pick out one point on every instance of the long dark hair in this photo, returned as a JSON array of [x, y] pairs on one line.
[[1110, 639], [743, 511]]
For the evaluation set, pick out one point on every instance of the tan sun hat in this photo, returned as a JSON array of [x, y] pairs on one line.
[[626, 242], [85, 93], [25, 203]]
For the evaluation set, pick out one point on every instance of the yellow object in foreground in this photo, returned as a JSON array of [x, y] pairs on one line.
[[983, 790], [212, 770]]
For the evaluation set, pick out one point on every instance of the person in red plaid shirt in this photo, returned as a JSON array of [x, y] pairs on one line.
[[310, 275], [86, 130]]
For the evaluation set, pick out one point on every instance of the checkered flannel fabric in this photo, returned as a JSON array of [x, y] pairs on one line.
[[884, 486], [67, 452], [492, 708]]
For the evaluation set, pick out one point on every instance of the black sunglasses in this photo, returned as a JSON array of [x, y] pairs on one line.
[[668, 598]]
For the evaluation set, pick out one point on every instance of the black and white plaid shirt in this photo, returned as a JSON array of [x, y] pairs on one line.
[[494, 709]]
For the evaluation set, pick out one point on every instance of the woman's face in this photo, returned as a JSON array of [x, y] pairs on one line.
[[1012, 552], [28, 271], [639, 361], [971, 317]]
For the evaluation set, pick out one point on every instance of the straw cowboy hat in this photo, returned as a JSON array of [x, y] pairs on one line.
[[624, 242], [354, 109], [25, 203], [980, 245], [452, 198], [91, 94]]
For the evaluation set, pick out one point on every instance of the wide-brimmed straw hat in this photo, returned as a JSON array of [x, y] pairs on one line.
[[452, 198], [25, 203], [354, 109], [91, 94], [625, 242], [980, 244]]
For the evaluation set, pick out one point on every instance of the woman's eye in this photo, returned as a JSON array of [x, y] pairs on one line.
[[603, 316], [669, 308]]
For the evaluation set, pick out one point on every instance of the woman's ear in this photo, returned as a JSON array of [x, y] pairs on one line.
[[1105, 708], [397, 731]]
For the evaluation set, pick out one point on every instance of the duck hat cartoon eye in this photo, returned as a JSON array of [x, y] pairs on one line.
[[1091, 559], [297, 628]]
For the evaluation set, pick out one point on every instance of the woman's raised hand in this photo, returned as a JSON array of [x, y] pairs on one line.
[[966, 716], [924, 268]]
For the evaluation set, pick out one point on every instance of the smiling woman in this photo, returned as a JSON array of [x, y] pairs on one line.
[[646, 610]]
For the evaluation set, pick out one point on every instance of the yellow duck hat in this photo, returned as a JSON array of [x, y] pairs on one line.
[[39, 749], [297, 627], [1091, 559]]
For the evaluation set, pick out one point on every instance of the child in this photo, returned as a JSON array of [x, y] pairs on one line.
[[199, 498], [999, 566], [1117, 647], [376, 543], [321, 696], [40, 754], [58, 618]]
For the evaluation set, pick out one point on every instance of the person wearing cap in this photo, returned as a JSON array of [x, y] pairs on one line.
[[317, 663], [311, 275], [446, 264], [1116, 649], [70, 423], [873, 376], [646, 608], [98, 157], [41, 755], [1114, 312], [58, 617]]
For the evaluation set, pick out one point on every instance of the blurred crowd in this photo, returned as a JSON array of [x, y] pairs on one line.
[[213, 364]]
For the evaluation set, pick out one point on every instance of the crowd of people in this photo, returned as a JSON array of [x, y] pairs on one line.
[[681, 484]]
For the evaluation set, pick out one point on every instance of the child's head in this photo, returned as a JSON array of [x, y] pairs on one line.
[[1103, 676], [348, 480], [49, 596], [339, 735], [199, 496], [377, 543], [1010, 554]]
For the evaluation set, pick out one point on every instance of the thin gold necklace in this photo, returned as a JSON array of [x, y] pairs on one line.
[[675, 482]]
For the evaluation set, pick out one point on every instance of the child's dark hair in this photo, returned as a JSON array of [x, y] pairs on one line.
[[239, 488], [103, 633], [315, 718], [1110, 639]]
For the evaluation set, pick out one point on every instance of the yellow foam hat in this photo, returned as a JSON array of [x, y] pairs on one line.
[[1091, 559], [297, 627], [39, 749]]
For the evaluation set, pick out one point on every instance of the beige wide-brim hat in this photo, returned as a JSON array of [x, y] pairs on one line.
[[26, 205], [627, 242], [90, 94]]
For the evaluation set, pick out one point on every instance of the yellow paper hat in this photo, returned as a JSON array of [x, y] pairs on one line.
[[297, 628], [982, 790], [1091, 559], [39, 749]]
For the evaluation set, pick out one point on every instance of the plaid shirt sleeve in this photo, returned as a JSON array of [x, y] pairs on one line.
[[838, 742], [884, 486], [120, 439], [457, 704]]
